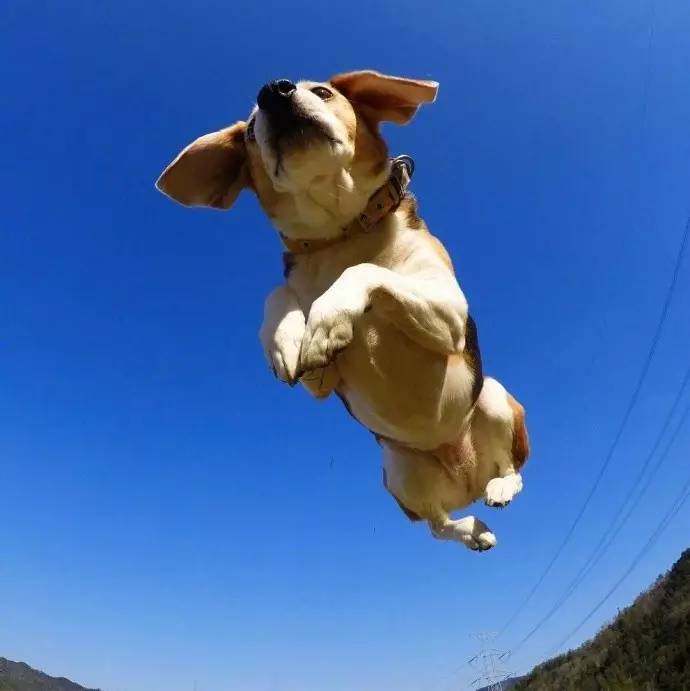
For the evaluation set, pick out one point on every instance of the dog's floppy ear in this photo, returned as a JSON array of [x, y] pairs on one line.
[[211, 171], [383, 97]]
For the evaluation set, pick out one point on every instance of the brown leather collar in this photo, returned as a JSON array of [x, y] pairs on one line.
[[384, 201]]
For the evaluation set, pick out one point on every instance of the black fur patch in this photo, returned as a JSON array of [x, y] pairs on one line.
[[289, 262], [474, 357]]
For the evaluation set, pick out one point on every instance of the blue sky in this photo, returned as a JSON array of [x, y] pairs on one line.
[[174, 519]]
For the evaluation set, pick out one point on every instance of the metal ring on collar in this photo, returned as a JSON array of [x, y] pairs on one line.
[[407, 161]]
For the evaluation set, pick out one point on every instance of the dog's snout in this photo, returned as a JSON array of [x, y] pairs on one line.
[[275, 95]]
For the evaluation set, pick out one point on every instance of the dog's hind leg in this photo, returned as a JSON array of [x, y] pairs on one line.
[[500, 440], [425, 491], [472, 532]]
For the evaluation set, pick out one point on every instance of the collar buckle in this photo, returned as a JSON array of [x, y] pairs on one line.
[[387, 198]]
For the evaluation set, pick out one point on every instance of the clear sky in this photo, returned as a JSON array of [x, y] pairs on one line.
[[172, 518]]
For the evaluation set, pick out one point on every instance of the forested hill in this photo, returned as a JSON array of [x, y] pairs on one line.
[[645, 648], [17, 676]]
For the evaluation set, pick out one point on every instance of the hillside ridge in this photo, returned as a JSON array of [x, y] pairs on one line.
[[645, 648], [18, 676]]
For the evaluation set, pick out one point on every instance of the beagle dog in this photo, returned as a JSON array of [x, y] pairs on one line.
[[370, 309]]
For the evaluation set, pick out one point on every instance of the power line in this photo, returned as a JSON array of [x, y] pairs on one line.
[[612, 531], [663, 524], [621, 428]]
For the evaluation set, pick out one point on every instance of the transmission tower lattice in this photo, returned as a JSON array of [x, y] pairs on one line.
[[488, 661]]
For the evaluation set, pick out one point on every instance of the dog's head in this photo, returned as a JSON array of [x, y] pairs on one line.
[[311, 151]]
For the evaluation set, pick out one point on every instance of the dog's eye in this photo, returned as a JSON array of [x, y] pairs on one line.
[[251, 137], [322, 92]]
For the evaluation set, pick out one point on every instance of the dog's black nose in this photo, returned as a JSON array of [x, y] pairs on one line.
[[275, 95]]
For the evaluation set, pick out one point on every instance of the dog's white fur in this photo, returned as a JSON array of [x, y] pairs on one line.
[[380, 318]]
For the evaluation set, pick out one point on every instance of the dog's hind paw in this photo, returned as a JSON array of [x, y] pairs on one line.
[[472, 532], [481, 542]]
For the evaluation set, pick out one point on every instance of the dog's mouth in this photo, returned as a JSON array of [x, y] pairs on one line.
[[294, 125], [301, 128], [299, 133]]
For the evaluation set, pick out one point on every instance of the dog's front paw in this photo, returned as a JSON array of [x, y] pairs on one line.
[[282, 347], [501, 490], [332, 317], [328, 332]]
